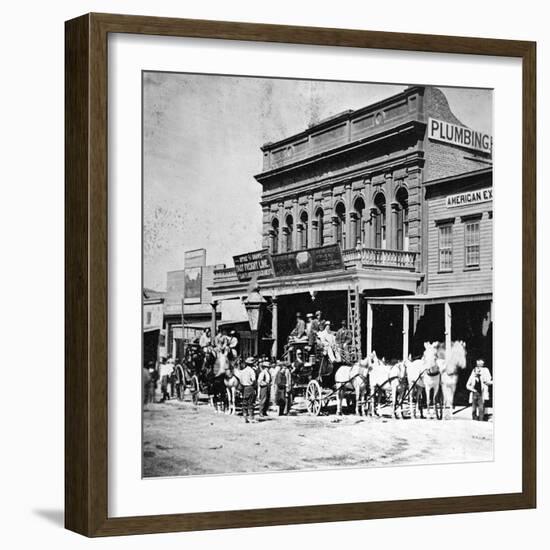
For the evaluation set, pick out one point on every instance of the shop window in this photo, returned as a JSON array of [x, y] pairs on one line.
[[446, 247], [471, 244]]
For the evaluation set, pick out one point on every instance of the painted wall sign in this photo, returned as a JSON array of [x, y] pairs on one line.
[[471, 197], [193, 285], [258, 262], [325, 258], [439, 130]]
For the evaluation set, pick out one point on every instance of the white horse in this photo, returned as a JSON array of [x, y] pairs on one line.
[[454, 359], [386, 378], [423, 374], [353, 378]]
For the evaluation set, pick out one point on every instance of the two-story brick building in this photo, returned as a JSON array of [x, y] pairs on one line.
[[379, 181]]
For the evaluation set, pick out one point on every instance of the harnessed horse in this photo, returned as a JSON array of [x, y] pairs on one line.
[[354, 378], [381, 376], [454, 359], [423, 374]]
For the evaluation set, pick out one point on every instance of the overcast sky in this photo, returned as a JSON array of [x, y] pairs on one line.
[[201, 144]]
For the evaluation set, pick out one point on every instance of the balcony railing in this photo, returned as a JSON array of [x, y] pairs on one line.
[[381, 258], [354, 257]]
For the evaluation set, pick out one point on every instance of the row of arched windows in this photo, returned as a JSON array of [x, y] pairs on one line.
[[376, 220]]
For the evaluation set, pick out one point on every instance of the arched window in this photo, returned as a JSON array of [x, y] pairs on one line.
[[320, 227], [340, 225], [402, 229], [304, 243], [289, 229], [274, 236], [358, 223], [380, 221]]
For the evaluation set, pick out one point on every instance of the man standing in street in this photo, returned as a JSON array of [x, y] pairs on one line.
[[247, 377], [165, 371], [478, 385], [264, 383], [284, 389]]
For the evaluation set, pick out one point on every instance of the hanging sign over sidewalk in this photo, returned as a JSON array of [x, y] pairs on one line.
[[253, 263]]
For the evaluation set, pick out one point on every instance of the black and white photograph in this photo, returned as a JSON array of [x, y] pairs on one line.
[[317, 275]]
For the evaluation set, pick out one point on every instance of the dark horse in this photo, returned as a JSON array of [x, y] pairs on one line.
[[213, 372]]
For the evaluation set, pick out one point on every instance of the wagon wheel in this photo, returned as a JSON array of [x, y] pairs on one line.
[[314, 398], [438, 405]]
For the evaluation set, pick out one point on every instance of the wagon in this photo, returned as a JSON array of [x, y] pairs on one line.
[[314, 381]]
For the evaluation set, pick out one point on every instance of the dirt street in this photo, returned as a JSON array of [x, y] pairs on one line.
[[182, 439]]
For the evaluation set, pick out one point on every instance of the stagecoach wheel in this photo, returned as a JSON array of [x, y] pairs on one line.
[[314, 399], [438, 405]]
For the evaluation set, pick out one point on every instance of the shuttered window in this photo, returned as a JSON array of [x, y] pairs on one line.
[[471, 244], [445, 247]]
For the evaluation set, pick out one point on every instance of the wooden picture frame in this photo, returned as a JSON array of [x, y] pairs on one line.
[[86, 282]]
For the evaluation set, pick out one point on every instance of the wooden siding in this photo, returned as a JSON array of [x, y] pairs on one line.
[[461, 279]]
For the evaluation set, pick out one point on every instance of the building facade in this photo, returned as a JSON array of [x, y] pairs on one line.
[[394, 184]]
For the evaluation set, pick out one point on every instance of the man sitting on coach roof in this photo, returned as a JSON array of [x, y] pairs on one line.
[[298, 334]]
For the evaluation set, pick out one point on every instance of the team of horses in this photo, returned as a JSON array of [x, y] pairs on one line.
[[369, 379], [364, 382]]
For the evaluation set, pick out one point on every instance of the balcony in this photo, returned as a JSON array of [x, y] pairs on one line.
[[381, 258], [369, 258]]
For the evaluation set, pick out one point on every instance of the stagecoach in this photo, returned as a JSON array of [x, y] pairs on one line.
[[314, 380]]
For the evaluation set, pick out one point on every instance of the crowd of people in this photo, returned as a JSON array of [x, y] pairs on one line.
[[263, 381]]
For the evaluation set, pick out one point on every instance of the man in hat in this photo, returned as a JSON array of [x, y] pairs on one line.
[[205, 340], [247, 377], [220, 340], [319, 321], [264, 383], [299, 332], [283, 383], [343, 336], [328, 343], [233, 343], [478, 385]]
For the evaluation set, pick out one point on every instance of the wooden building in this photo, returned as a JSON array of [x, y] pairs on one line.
[[377, 181]]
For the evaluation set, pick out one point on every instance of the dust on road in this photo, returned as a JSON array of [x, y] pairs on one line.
[[182, 439]]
